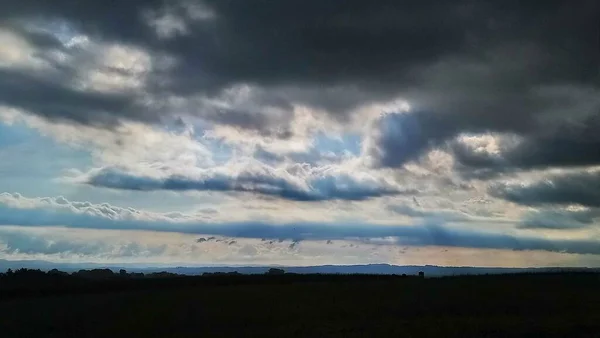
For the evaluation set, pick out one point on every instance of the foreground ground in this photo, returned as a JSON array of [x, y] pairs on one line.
[[292, 306]]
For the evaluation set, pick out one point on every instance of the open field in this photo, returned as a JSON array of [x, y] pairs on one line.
[[548, 305]]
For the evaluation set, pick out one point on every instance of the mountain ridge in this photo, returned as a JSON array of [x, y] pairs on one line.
[[377, 268]]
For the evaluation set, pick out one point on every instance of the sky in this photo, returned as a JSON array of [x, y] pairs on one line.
[[190, 132]]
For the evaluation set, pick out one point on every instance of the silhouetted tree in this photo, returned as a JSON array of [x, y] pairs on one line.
[[56, 272], [274, 271], [95, 273]]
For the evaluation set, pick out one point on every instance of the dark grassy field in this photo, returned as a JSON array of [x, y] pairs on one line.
[[549, 305]]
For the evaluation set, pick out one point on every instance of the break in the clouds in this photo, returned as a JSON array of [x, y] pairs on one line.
[[305, 120]]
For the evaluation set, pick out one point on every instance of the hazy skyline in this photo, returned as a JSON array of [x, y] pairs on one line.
[[300, 132]]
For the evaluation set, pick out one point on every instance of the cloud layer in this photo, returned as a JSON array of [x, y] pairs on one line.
[[467, 124], [17, 210]]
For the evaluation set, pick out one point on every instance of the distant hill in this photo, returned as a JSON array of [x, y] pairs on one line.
[[386, 269]]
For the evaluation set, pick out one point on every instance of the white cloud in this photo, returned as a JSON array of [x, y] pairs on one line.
[[103, 210], [15, 51], [114, 68]]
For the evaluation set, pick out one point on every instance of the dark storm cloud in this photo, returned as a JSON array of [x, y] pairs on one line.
[[321, 188], [567, 145], [53, 100], [400, 138], [575, 188], [559, 219], [466, 66]]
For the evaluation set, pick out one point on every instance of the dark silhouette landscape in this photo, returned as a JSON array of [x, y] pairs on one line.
[[106, 303]]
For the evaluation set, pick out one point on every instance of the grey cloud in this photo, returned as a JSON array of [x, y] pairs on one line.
[[571, 144], [401, 137], [579, 188], [505, 88], [559, 219], [471, 164], [548, 138], [465, 66], [52, 99], [321, 187]]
